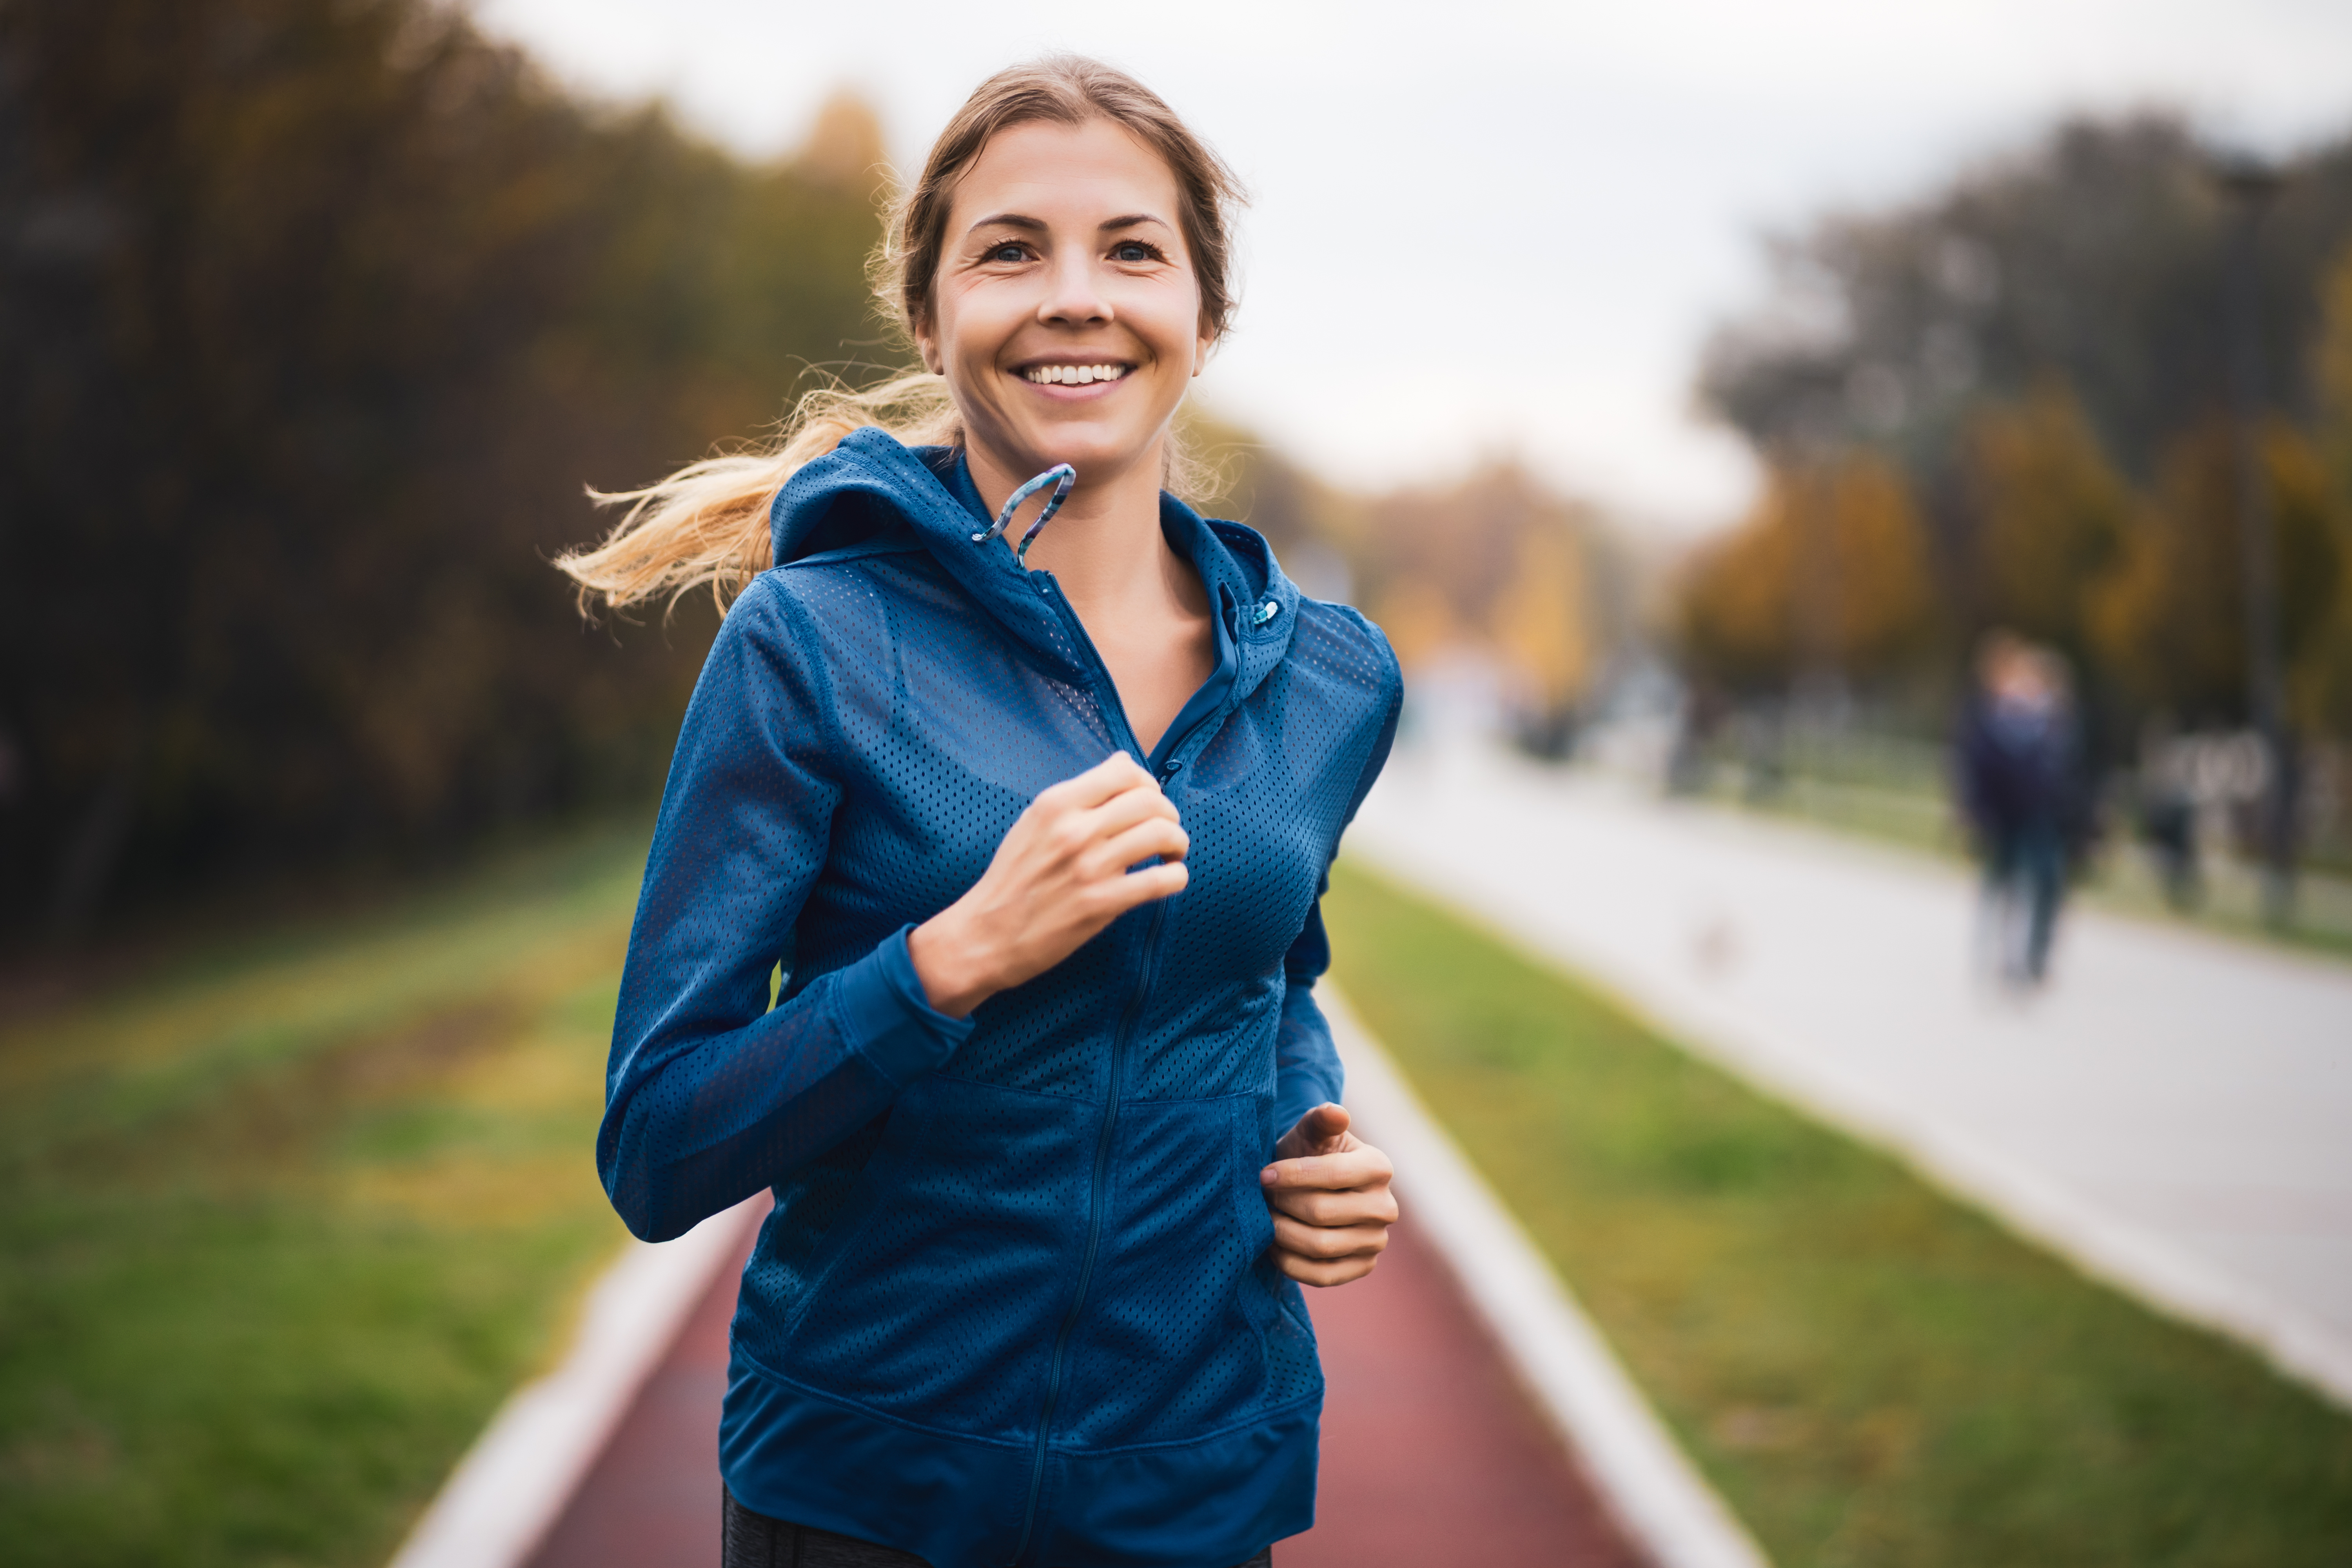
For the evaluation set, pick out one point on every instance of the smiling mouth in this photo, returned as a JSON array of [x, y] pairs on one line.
[[1073, 375]]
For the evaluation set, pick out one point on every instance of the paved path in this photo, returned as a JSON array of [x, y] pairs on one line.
[[2175, 1111], [1430, 1454]]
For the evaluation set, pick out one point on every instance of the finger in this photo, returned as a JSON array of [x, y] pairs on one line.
[[1324, 1124], [1141, 842], [1314, 1133], [1120, 894], [1143, 803], [1328, 1242], [1369, 1205], [1067, 835], [1114, 774], [1361, 1166], [1320, 1274]]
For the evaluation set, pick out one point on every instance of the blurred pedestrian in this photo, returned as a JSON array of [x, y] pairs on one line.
[[2018, 759], [1045, 1101], [2166, 797]]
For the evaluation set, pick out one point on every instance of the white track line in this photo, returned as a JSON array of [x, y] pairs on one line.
[[1656, 1494], [510, 1488]]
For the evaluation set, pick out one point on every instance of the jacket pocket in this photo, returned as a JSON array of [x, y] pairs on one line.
[[1171, 1346], [940, 1304]]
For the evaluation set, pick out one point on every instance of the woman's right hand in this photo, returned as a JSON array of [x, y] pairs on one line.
[[1060, 876]]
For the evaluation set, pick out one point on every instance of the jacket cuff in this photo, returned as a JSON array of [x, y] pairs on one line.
[[1301, 1091], [882, 1002]]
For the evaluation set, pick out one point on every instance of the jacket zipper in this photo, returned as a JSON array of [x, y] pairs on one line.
[[1126, 1021], [1094, 1220]]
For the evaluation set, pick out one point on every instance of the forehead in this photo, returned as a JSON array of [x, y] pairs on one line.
[[1078, 174]]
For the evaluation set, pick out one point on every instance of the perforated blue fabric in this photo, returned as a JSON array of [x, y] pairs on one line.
[[1014, 1302]]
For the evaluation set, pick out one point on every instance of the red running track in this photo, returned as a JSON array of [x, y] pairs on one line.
[[1433, 1458]]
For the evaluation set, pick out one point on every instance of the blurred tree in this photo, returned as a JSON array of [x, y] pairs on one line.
[[2092, 256], [2039, 345], [1313, 527], [1543, 622], [318, 313], [1421, 624], [1735, 613], [2051, 517], [2321, 692], [845, 150], [1496, 565], [2332, 365], [2171, 620], [1828, 574]]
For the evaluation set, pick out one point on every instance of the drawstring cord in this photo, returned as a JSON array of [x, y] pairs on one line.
[[1064, 476]]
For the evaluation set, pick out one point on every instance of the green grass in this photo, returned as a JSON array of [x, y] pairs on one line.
[[284, 1221], [1869, 1372]]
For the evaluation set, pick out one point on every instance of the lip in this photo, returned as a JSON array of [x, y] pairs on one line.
[[1059, 392]]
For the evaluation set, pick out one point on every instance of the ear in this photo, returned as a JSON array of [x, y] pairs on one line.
[[1201, 347], [926, 347]]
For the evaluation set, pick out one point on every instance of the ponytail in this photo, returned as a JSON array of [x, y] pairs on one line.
[[708, 524]]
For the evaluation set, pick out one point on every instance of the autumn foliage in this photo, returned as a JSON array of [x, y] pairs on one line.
[[2019, 386], [1829, 573], [317, 316]]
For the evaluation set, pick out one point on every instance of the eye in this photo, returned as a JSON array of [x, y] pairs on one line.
[[1011, 250], [1134, 250]]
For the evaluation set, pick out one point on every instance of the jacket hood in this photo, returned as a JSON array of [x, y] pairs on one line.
[[872, 492]]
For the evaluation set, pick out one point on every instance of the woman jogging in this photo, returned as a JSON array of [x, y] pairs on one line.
[[1028, 779]]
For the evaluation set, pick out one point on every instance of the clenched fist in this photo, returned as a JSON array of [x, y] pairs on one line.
[[1060, 876], [1329, 1190]]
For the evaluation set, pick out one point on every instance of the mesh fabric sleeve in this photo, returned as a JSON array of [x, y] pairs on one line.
[[1306, 1068], [711, 1095]]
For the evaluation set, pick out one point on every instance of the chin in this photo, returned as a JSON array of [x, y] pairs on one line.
[[1089, 451]]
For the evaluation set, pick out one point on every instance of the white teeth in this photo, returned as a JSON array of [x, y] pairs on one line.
[[1075, 374]]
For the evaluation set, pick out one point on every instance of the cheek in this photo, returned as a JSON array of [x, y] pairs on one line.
[[1171, 324], [972, 324]]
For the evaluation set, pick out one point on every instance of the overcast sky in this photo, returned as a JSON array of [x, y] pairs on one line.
[[1487, 226]]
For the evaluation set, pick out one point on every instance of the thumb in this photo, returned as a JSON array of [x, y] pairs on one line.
[[1319, 1131]]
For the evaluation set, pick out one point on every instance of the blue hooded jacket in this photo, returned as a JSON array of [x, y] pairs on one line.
[[1013, 1304]]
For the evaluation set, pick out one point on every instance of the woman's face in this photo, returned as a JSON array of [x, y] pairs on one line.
[[1066, 316]]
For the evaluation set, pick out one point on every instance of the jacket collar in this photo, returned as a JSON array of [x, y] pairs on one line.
[[871, 486]]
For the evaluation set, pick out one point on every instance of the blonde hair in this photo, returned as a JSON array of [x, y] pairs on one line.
[[706, 525]]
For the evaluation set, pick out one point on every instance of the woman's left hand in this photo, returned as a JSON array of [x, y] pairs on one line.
[[1329, 1190]]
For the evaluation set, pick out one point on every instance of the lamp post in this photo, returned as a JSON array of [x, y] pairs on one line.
[[2250, 184]]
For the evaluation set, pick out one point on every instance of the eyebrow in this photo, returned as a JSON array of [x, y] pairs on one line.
[[1035, 225]]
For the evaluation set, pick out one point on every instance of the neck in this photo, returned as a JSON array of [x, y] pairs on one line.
[[1104, 547]]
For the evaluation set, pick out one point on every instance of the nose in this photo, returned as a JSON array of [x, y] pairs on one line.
[[1073, 296]]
